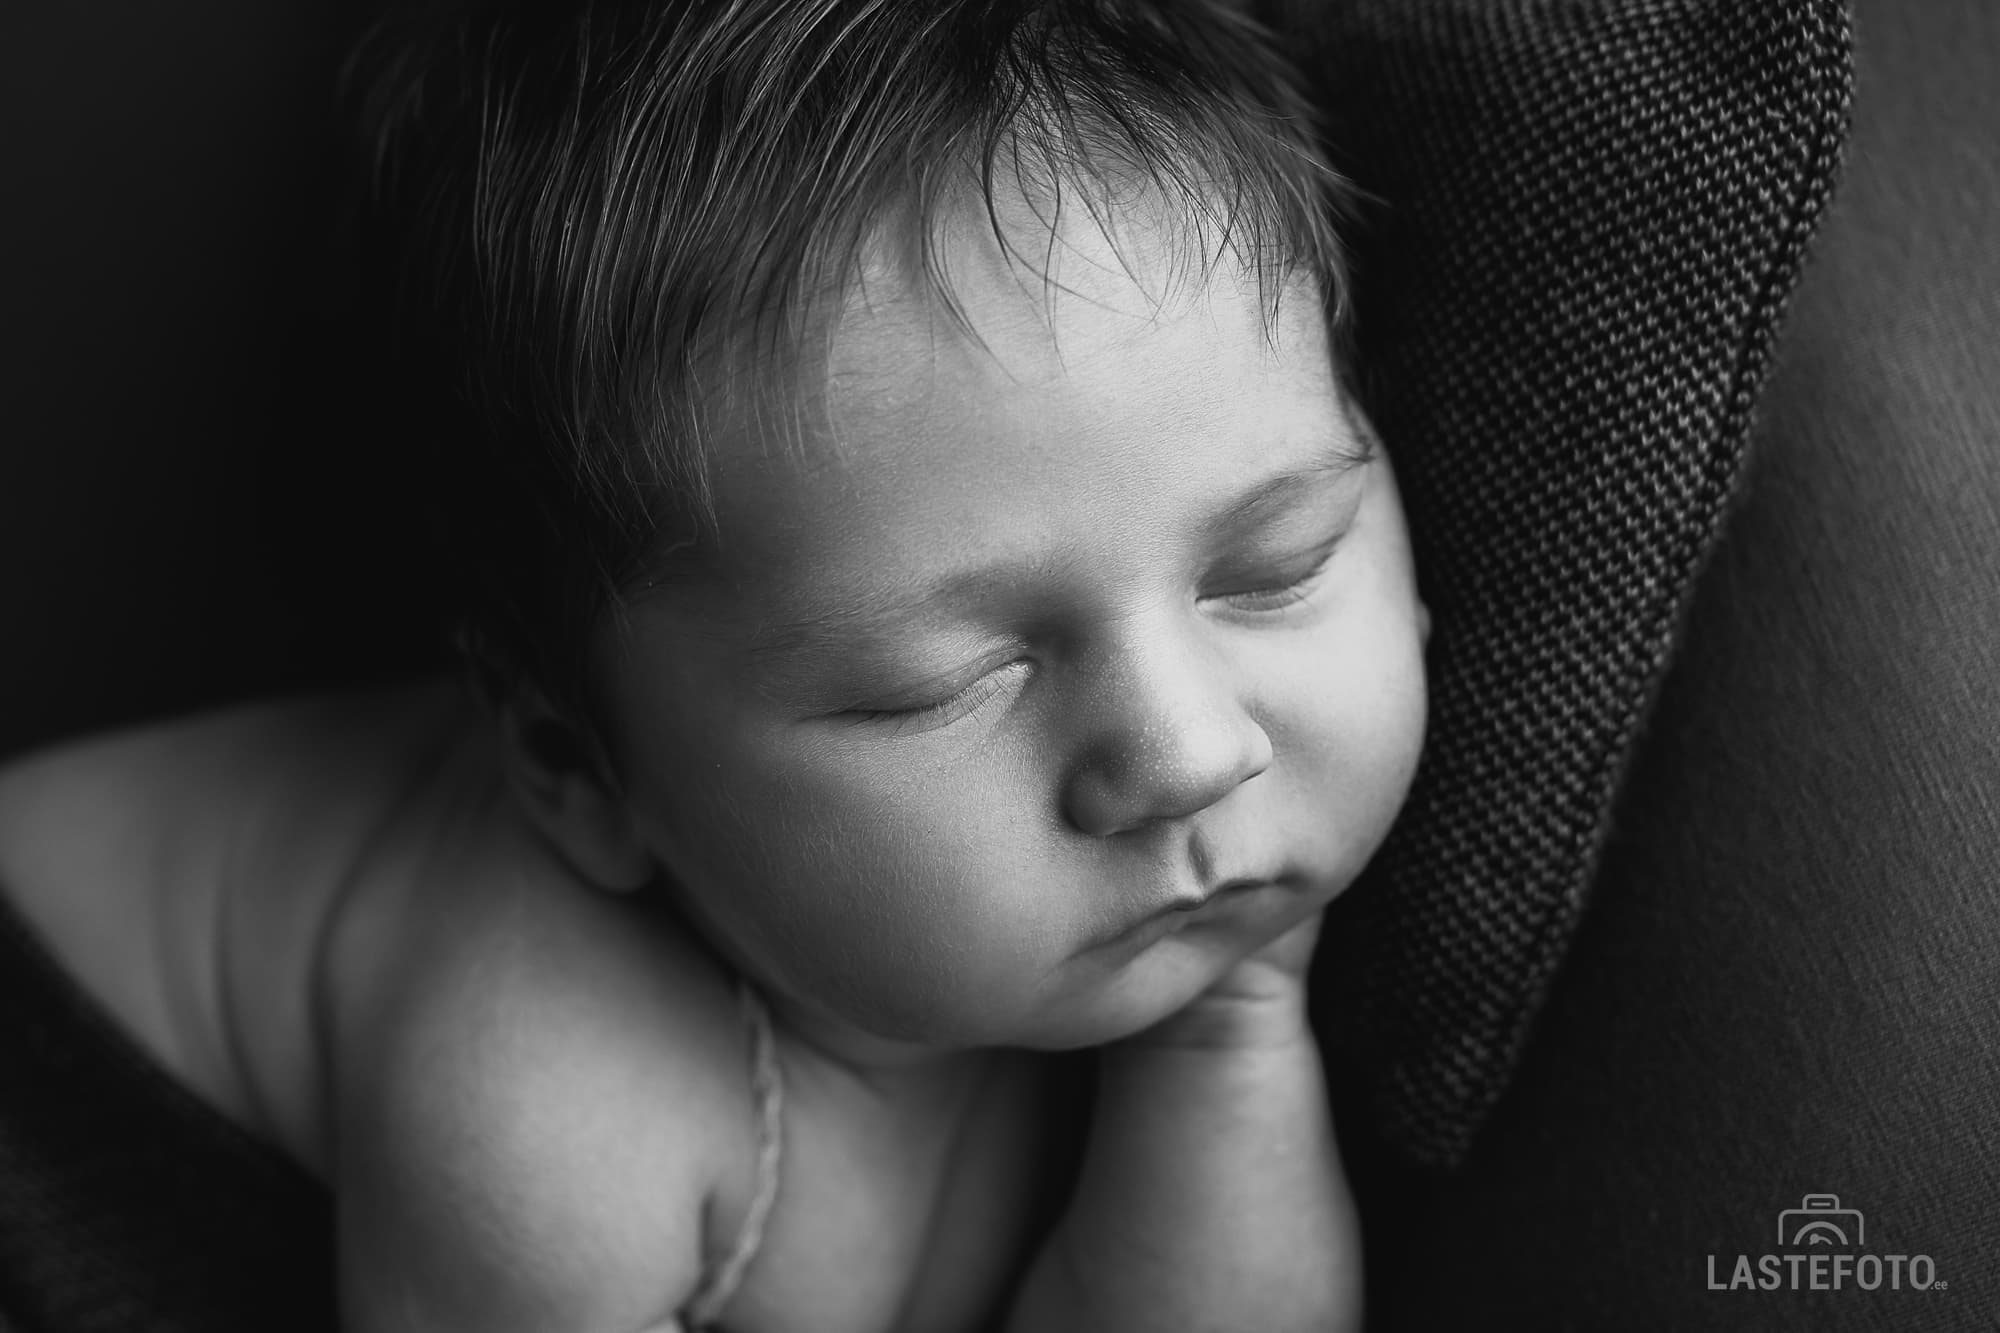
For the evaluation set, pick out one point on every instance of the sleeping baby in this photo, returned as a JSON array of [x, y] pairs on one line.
[[930, 609]]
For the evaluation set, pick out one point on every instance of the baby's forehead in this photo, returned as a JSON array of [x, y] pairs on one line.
[[907, 389], [956, 337], [1040, 291]]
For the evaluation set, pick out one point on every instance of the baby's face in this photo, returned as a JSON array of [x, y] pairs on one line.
[[1057, 670]]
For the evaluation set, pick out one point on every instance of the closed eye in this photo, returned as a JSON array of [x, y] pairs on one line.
[[1289, 591], [924, 717]]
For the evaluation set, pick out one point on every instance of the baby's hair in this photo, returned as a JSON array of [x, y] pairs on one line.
[[601, 211]]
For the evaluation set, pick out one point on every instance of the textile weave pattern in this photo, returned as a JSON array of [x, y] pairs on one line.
[[1592, 216]]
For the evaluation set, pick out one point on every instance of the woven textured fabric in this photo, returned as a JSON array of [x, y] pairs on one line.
[[1592, 215], [126, 1205]]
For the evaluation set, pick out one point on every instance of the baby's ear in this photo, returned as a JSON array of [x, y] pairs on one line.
[[567, 785]]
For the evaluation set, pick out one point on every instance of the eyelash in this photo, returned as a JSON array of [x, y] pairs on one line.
[[1283, 595], [955, 706]]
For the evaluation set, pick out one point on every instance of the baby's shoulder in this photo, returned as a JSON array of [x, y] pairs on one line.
[[539, 1089], [494, 970]]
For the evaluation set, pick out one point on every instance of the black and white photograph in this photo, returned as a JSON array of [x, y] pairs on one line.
[[1000, 666]]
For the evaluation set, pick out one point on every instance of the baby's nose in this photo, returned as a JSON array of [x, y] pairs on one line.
[[1167, 745]]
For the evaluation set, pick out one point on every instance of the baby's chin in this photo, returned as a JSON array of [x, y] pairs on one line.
[[1165, 978], [1108, 1004], [1097, 995], [1094, 1004], [1137, 983]]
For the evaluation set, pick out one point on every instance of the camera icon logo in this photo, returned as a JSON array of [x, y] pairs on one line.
[[1819, 1220]]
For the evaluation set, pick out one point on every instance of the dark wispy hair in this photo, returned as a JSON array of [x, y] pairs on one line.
[[596, 207]]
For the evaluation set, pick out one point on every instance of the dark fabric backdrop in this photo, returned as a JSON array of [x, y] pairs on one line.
[[198, 488]]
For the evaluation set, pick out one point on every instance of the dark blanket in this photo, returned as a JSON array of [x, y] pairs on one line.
[[126, 1204]]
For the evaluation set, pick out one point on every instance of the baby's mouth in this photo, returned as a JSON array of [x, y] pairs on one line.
[[1217, 894], [1181, 912]]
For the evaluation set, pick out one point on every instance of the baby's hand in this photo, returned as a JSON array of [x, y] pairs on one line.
[[1212, 1194], [1259, 1002]]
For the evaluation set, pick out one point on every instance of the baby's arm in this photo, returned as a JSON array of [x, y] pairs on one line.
[[1212, 1195]]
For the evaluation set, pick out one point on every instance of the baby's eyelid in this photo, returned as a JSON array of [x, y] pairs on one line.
[[957, 701], [1286, 589]]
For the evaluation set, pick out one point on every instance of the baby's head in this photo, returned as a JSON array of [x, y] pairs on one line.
[[920, 520]]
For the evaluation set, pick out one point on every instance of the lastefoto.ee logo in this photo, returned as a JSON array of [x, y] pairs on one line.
[[1826, 1244]]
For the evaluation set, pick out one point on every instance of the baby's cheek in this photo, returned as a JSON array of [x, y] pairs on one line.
[[889, 909], [1347, 728]]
